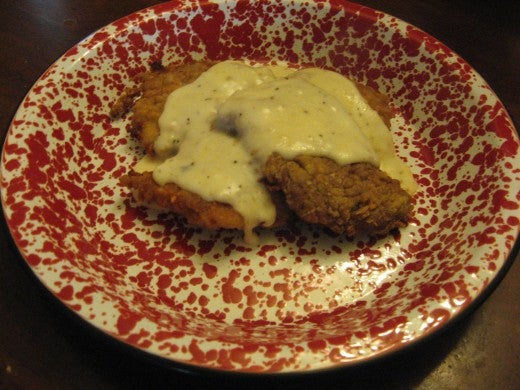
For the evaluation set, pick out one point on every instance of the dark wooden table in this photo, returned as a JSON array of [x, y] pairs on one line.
[[43, 347]]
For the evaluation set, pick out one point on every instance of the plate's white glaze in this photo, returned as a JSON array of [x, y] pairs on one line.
[[303, 299]]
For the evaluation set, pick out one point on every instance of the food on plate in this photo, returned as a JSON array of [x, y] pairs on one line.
[[348, 199], [147, 99], [196, 210], [231, 145]]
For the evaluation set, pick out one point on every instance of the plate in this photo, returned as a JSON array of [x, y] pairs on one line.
[[302, 299]]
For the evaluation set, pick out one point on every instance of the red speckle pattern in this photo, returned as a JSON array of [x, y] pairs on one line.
[[303, 299]]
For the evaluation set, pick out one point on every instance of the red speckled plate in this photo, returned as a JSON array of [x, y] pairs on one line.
[[303, 299]]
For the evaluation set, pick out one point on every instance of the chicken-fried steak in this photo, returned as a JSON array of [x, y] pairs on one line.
[[348, 199]]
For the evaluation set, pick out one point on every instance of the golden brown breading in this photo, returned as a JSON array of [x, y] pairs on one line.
[[350, 199], [377, 101], [125, 102], [171, 197], [153, 90], [197, 211]]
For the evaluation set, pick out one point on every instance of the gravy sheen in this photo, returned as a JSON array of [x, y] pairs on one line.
[[367, 119], [193, 107], [291, 116], [208, 162]]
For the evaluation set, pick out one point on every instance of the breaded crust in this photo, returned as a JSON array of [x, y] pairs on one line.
[[377, 101], [351, 199], [197, 211], [147, 99]]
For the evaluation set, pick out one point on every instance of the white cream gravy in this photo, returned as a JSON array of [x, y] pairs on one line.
[[217, 132]]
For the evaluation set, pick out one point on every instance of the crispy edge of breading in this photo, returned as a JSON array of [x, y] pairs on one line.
[[146, 100], [196, 210], [353, 199], [378, 102]]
